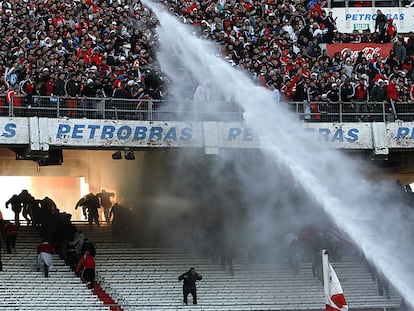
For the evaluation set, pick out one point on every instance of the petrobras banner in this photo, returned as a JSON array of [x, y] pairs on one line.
[[400, 135], [234, 135], [110, 133], [350, 19], [341, 136], [14, 131], [93, 134], [352, 49]]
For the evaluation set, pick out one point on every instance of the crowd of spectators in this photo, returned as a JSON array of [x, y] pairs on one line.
[[106, 48]]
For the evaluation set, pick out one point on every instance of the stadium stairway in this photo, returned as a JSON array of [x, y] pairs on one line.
[[22, 287], [147, 279]]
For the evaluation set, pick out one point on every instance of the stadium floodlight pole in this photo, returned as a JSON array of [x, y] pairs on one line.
[[326, 276]]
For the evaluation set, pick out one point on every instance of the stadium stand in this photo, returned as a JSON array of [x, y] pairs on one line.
[[146, 279], [106, 49], [22, 287]]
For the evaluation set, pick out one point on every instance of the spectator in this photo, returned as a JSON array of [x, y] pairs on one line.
[[59, 87], [105, 199], [333, 93], [1, 263], [227, 252], [9, 235], [45, 257], [16, 206], [86, 269], [410, 43], [391, 30], [400, 51], [392, 94], [71, 256], [189, 286], [410, 91], [27, 201], [379, 92], [73, 91], [294, 251], [119, 220], [87, 246], [380, 26], [88, 93], [383, 285], [90, 204], [361, 100], [346, 91]]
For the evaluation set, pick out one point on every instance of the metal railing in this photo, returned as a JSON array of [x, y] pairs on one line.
[[350, 111], [117, 109], [162, 110]]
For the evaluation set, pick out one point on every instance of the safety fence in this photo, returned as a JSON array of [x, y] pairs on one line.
[[118, 109], [161, 110]]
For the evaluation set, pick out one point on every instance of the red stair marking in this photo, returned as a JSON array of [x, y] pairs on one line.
[[105, 298]]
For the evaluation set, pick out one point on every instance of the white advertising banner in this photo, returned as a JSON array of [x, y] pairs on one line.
[[14, 131], [341, 136], [399, 135], [113, 133], [350, 19]]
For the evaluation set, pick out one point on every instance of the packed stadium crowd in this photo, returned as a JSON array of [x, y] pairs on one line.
[[106, 48]]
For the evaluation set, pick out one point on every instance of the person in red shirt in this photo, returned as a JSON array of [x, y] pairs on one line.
[[361, 99], [86, 269], [411, 92], [45, 253], [391, 30], [392, 94]]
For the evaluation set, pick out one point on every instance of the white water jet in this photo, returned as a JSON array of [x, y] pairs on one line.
[[367, 212]]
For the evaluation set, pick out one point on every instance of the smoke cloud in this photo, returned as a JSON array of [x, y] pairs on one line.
[[256, 197]]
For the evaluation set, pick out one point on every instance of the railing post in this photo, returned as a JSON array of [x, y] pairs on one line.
[[11, 107], [58, 107], [104, 108], [149, 116], [340, 112]]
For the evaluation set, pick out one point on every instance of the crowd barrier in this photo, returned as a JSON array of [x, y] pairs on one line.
[[161, 110]]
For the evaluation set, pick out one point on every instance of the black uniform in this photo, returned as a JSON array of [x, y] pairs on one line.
[[189, 286], [1, 263], [16, 206]]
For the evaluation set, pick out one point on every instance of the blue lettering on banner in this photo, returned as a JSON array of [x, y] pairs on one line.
[[9, 130], [404, 132], [336, 135], [367, 17], [125, 132], [235, 132]]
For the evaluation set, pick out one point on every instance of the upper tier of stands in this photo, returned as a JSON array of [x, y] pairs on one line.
[[107, 48]]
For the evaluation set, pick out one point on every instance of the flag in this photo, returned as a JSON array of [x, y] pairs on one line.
[[335, 299]]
